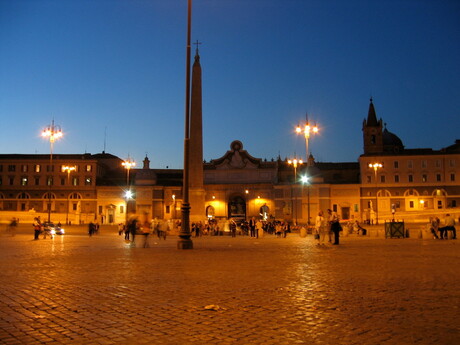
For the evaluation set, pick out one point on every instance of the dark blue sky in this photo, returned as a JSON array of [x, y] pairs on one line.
[[117, 67]]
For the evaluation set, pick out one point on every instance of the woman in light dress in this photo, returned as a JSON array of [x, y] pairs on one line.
[[321, 228]]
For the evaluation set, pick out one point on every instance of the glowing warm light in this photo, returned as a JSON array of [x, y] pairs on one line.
[[128, 194], [305, 179], [307, 129]]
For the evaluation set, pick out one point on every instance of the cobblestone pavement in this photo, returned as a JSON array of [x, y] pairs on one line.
[[80, 290]]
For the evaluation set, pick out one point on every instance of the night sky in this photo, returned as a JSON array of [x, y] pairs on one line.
[[112, 75]]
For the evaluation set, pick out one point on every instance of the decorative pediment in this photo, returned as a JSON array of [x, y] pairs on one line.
[[236, 158]]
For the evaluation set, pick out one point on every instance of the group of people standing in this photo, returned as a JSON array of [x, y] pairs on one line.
[[441, 232], [327, 225]]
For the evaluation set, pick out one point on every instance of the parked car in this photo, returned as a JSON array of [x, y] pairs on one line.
[[51, 229]]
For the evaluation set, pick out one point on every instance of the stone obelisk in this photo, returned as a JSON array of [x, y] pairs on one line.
[[196, 189]]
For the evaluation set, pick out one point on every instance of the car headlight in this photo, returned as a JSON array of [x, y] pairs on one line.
[[52, 231]]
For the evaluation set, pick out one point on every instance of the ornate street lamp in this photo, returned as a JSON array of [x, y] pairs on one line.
[[128, 164], [185, 241], [52, 133], [376, 166], [68, 169], [306, 129], [295, 163], [306, 180]]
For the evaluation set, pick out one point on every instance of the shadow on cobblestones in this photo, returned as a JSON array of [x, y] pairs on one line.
[[80, 290]]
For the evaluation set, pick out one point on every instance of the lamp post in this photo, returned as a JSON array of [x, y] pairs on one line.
[[295, 162], [376, 166], [174, 206], [306, 180], [128, 164], [307, 129], [52, 133], [68, 169], [185, 241]]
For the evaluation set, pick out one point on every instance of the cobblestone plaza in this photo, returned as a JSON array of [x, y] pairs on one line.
[[100, 290]]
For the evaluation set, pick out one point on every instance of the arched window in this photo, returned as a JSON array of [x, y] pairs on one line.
[[23, 195], [411, 192], [210, 211], [75, 196]]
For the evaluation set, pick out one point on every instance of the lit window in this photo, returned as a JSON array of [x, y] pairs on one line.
[[88, 167], [88, 181], [424, 178], [37, 168], [75, 181], [24, 181], [24, 168]]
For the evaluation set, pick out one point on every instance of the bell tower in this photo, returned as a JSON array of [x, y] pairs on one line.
[[372, 132]]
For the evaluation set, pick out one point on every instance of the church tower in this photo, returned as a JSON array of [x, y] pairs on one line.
[[372, 132], [196, 188]]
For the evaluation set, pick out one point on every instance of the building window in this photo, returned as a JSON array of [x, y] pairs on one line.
[[438, 177], [11, 167], [454, 203], [37, 168], [24, 168], [396, 178], [438, 163], [1, 182], [37, 181], [168, 209], [62, 181], [50, 168], [396, 164], [382, 179], [11, 179], [24, 181], [75, 181], [100, 209], [452, 177], [424, 163], [49, 181], [452, 163], [88, 167], [424, 178], [1, 167], [334, 207], [88, 181], [411, 178], [122, 209], [410, 164], [439, 204], [369, 179], [411, 204]]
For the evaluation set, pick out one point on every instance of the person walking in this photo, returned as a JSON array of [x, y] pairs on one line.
[[37, 227], [334, 224], [320, 231], [252, 227]]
